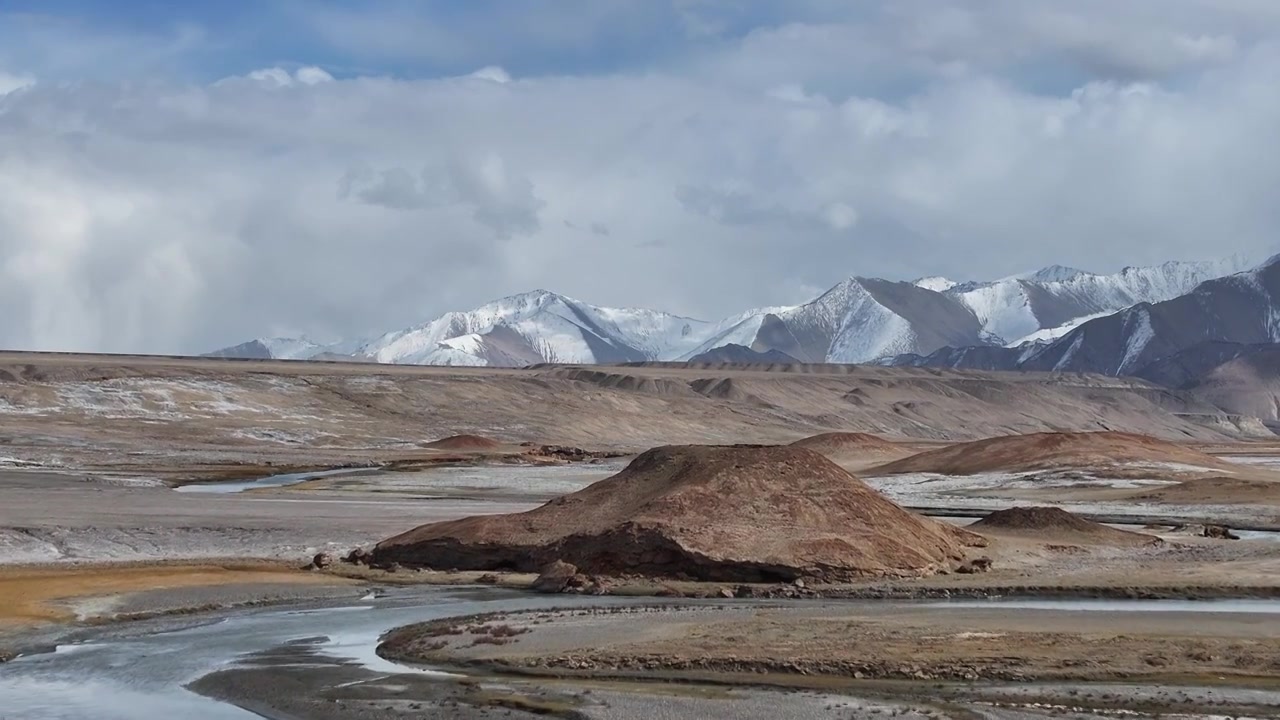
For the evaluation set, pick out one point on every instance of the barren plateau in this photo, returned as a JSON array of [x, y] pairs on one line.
[[139, 494]]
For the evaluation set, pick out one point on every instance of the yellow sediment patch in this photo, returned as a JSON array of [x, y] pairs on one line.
[[30, 595]]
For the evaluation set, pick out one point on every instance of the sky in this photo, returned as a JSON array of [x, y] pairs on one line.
[[180, 176]]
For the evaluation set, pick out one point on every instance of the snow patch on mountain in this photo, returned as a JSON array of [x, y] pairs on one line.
[[1053, 333], [300, 348], [742, 329], [1054, 273], [1003, 308], [936, 283], [1139, 334]]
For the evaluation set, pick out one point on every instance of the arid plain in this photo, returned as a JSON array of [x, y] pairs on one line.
[[135, 490]]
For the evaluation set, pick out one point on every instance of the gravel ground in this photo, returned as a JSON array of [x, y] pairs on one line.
[[292, 682], [48, 517]]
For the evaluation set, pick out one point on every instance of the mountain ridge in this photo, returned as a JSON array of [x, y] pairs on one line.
[[1173, 342], [858, 320]]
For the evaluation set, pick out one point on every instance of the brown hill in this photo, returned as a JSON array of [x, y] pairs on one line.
[[1049, 451], [465, 442], [847, 442], [1215, 491], [736, 514], [854, 451], [1058, 525]]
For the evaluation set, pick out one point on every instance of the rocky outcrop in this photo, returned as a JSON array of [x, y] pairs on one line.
[[556, 577], [732, 514]]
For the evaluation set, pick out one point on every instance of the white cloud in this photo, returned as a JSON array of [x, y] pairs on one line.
[[499, 197], [171, 216], [272, 77], [278, 77], [312, 75], [10, 83], [840, 216], [492, 73]]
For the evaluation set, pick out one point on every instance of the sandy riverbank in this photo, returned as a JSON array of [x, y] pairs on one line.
[[856, 641]]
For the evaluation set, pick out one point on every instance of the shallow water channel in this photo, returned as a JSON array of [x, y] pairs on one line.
[[139, 671], [270, 481]]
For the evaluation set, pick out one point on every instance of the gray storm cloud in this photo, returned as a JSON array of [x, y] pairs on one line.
[[178, 217]]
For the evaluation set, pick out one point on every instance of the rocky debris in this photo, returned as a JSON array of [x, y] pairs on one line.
[[994, 669], [555, 577], [321, 561], [6, 656], [359, 556], [736, 514], [1219, 532], [974, 566], [597, 586], [488, 579], [568, 453]]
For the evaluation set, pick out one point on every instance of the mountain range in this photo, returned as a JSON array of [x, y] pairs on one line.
[[1018, 322], [1171, 342]]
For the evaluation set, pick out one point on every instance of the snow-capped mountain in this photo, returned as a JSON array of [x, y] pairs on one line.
[[859, 320], [1171, 341], [1019, 309], [541, 326], [867, 319], [283, 348], [1241, 308]]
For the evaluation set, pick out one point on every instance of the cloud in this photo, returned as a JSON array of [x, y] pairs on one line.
[[784, 145], [311, 75], [9, 83], [278, 77], [493, 73], [499, 197], [840, 216]]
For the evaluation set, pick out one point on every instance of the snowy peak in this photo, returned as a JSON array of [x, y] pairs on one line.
[[1240, 309], [1056, 273], [540, 326], [936, 283], [1019, 309], [281, 348], [863, 319], [858, 320]]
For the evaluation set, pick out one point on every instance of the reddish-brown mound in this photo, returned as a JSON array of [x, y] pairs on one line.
[[1056, 524], [1214, 491], [848, 442], [1046, 451], [735, 514], [465, 442]]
